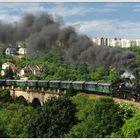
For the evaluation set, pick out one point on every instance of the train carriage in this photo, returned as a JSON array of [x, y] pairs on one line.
[[78, 85], [104, 88], [65, 84], [32, 83], [11, 82], [2, 82], [54, 84], [43, 83], [91, 86], [21, 83]]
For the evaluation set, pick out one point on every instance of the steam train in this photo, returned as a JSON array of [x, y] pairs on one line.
[[120, 90]]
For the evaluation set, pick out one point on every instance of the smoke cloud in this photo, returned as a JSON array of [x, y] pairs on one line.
[[43, 33]]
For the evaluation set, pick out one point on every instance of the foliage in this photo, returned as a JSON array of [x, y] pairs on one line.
[[131, 128], [127, 110], [57, 68], [99, 119], [14, 119], [70, 91], [83, 104], [5, 95], [53, 119], [20, 100]]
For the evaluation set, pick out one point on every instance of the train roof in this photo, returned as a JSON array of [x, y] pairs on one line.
[[32, 80], [43, 81], [78, 82], [93, 83], [21, 80], [54, 81], [104, 84], [66, 81], [10, 80], [2, 80]]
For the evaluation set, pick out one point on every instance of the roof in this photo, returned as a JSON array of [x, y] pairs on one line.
[[32, 68], [54, 81], [66, 81], [8, 63], [78, 82], [11, 80], [21, 80], [43, 81], [32, 80], [104, 84], [93, 83], [12, 49]]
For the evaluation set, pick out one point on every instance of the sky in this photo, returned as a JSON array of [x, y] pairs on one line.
[[121, 20]]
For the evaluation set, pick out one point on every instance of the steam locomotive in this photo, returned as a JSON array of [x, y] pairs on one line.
[[120, 90]]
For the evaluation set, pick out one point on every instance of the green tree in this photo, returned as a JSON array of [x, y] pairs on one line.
[[20, 100], [5, 96], [99, 122], [55, 118], [14, 119], [70, 91], [127, 110], [131, 129]]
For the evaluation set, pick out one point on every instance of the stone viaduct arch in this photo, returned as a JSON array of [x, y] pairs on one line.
[[33, 96], [36, 103]]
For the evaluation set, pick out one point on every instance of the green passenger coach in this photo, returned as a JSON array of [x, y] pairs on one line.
[[10, 82], [43, 83], [91, 86], [54, 84], [104, 88], [65, 84], [21, 83], [32, 83], [78, 85]]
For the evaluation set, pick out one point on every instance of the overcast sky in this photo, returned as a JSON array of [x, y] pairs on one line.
[[120, 20]]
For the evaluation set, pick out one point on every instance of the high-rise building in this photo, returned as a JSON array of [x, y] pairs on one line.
[[114, 42]]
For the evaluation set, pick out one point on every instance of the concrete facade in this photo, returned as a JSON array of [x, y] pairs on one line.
[[114, 42]]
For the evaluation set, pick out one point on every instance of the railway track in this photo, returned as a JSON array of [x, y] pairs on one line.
[[116, 99]]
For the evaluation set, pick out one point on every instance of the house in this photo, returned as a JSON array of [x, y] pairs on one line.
[[31, 69], [11, 51], [8, 68], [8, 65], [22, 51]]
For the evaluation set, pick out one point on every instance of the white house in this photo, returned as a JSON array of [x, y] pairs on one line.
[[7, 66], [22, 51], [11, 51]]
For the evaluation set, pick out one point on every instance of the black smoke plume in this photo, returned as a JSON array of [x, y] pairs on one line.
[[43, 33]]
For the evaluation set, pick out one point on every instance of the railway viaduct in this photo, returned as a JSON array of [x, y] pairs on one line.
[[35, 96]]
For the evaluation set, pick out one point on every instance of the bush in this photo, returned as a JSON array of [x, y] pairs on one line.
[[14, 119], [70, 91], [55, 118], [127, 110], [100, 119], [131, 128], [5, 96]]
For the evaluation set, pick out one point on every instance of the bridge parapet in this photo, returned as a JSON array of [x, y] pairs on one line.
[[35, 93]]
